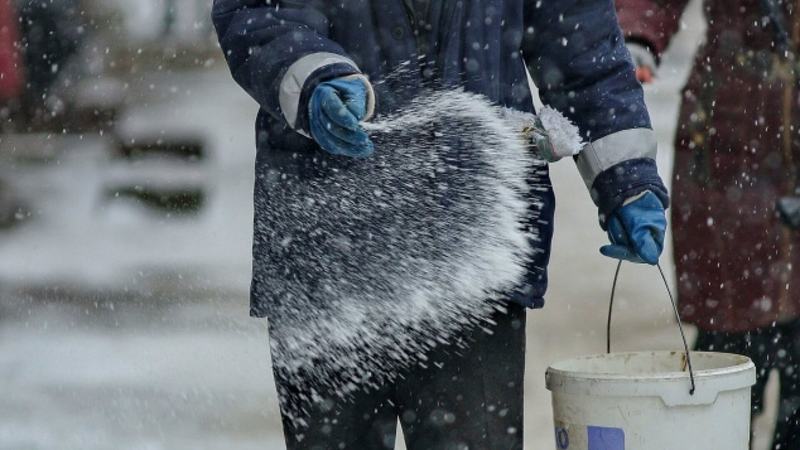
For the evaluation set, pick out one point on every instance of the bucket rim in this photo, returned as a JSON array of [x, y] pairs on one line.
[[744, 363]]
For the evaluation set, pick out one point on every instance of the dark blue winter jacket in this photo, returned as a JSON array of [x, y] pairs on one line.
[[280, 50]]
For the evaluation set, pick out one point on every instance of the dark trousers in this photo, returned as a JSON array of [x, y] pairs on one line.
[[771, 348], [469, 395]]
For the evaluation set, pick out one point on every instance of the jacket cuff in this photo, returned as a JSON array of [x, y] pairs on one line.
[[627, 179], [608, 151], [302, 77]]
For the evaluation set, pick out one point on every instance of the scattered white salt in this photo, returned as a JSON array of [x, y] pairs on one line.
[[432, 223]]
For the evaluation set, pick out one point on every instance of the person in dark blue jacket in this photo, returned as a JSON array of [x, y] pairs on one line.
[[318, 68]]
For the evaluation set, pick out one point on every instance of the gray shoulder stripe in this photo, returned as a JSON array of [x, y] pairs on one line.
[[613, 149]]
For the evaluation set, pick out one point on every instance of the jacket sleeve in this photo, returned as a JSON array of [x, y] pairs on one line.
[[652, 23], [580, 64], [278, 51]]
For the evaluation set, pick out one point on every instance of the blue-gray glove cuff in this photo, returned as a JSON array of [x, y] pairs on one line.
[[637, 229], [318, 77], [336, 110], [625, 180]]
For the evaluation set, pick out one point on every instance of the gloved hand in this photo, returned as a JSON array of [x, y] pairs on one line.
[[636, 230], [334, 112], [644, 61]]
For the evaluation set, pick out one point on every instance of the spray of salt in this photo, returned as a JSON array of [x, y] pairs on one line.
[[377, 261]]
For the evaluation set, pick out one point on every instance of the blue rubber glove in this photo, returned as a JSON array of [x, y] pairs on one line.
[[334, 112], [636, 230]]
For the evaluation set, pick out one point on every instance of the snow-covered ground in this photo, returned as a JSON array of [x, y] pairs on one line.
[[124, 329]]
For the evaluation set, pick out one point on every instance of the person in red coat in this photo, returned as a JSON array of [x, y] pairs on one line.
[[737, 152]]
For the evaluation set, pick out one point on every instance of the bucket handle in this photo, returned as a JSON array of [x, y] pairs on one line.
[[674, 309]]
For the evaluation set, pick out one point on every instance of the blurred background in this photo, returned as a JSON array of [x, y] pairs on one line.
[[126, 172]]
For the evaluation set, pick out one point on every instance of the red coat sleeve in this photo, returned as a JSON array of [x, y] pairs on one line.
[[11, 75], [650, 22]]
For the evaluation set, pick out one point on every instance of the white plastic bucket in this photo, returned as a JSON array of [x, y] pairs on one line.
[[641, 401]]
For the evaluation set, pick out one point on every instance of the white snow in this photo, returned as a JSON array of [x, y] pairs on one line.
[[563, 133]]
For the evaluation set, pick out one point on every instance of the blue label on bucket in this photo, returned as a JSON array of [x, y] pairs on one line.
[[562, 438], [602, 438]]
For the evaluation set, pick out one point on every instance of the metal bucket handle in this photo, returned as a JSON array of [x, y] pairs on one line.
[[674, 309]]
